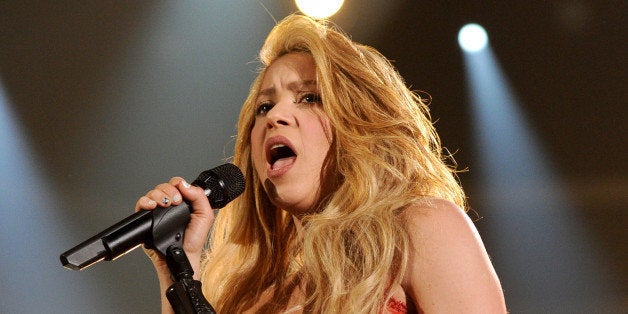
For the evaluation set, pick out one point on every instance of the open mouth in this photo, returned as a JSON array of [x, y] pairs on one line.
[[280, 155]]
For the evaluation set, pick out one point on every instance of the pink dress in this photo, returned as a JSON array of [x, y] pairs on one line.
[[395, 306]]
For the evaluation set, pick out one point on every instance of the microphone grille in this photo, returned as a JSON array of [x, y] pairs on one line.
[[224, 183]]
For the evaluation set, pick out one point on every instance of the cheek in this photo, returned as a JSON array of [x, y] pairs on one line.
[[321, 138], [325, 132], [256, 139]]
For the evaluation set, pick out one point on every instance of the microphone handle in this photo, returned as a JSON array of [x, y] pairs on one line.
[[94, 249], [157, 229]]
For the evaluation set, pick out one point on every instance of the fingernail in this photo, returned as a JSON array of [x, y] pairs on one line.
[[185, 184], [176, 198], [152, 203], [166, 201]]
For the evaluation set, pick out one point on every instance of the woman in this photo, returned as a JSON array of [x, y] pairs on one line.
[[350, 206]]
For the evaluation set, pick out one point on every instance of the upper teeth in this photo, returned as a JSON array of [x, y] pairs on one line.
[[277, 146]]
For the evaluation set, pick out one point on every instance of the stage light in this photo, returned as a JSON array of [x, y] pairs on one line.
[[472, 38], [540, 249], [32, 226], [319, 9]]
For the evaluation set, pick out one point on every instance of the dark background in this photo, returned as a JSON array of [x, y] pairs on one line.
[[106, 99]]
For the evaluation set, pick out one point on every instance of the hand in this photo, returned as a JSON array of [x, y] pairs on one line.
[[174, 193]]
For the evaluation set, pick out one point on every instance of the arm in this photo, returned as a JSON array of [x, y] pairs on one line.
[[175, 191], [448, 270]]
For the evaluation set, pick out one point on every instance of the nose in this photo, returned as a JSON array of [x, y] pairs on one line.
[[280, 114]]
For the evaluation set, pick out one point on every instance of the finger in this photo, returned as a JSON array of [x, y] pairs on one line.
[[145, 203], [195, 195], [175, 189], [202, 217], [174, 181], [166, 194], [162, 198]]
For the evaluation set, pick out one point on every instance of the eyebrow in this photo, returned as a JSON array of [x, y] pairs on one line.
[[292, 86]]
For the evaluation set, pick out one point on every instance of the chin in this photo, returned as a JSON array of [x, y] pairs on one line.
[[292, 198], [297, 207]]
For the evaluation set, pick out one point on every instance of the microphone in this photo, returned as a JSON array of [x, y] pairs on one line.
[[159, 228]]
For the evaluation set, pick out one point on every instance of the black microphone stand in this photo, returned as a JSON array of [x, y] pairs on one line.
[[185, 295]]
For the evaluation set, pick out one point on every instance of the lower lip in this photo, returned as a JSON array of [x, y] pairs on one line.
[[276, 173]]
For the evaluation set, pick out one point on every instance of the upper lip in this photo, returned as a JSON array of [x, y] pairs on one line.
[[276, 140]]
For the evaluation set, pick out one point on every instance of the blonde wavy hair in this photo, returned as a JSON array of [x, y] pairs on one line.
[[385, 156]]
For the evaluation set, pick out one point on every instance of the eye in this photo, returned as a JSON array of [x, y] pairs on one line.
[[263, 108], [308, 97]]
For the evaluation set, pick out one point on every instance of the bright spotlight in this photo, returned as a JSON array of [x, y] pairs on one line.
[[319, 9], [525, 201], [472, 38]]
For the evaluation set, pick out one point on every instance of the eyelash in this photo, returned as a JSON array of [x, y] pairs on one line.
[[263, 108], [301, 98]]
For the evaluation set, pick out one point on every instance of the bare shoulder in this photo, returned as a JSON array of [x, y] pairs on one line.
[[434, 210], [439, 220], [448, 269]]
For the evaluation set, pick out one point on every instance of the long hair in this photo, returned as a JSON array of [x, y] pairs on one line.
[[385, 156]]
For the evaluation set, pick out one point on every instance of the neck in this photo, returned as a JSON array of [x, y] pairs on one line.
[[298, 224]]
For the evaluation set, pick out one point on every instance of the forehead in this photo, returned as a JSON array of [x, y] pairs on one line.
[[290, 67]]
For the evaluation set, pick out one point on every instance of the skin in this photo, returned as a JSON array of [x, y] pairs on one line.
[[289, 113], [449, 270]]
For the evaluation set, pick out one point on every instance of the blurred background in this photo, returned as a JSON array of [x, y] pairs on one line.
[[102, 100]]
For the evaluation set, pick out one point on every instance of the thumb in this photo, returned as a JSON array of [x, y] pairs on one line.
[[201, 218]]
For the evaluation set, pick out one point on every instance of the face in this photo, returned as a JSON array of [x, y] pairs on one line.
[[290, 137]]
